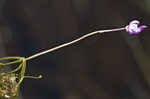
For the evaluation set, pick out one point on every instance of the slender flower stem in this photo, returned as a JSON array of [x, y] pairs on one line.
[[72, 42], [19, 72]]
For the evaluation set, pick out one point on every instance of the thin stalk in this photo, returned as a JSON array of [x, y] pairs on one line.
[[72, 42]]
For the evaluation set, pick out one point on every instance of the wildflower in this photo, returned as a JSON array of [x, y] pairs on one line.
[[10, 81], [133, 28]]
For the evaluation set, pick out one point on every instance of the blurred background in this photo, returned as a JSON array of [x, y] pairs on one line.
[[107, 66]]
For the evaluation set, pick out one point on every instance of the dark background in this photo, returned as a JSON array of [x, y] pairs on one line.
[[109, 66]]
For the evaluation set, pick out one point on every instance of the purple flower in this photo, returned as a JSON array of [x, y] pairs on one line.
[[133, 28]]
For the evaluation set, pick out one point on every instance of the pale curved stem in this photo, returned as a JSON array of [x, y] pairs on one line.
[[72, 42]]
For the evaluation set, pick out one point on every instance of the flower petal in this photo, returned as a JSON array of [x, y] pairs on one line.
[[135, 22], [133, 28]]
